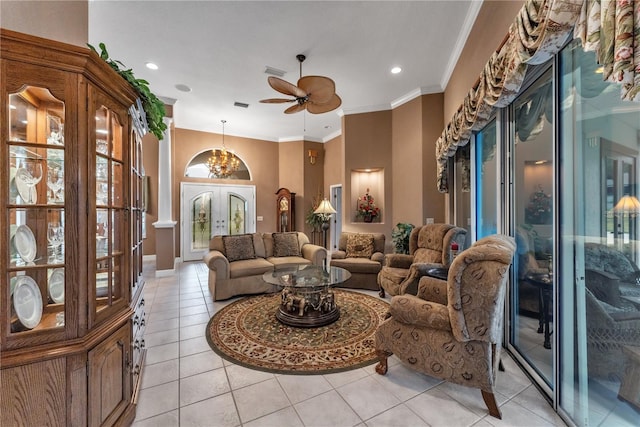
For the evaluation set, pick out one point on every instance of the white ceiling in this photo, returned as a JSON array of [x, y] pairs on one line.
[[221, 48]]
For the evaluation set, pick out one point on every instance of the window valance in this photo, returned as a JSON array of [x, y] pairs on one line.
[[610, 28]]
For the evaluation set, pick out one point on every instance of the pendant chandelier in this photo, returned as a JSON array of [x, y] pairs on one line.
[[222, 163]]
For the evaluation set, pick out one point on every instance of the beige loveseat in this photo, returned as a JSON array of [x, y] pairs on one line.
[[362, 255], [237, 263]]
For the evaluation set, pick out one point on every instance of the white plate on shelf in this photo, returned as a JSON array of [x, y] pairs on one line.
[[25, 243], [23, 188], [102, 284], [55, 286], [27, 302]]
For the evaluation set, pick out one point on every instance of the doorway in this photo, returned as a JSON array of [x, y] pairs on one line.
[[336, 201], [209, 210]]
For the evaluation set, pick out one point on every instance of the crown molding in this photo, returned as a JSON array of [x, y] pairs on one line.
[[472, 14]]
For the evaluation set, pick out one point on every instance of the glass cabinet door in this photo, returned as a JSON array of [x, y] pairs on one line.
[[110, 210], [35, 213]]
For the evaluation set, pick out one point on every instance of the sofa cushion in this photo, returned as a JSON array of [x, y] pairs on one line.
[[359, 245], [357, 265], [239, 247], [286, 244], [249, 267]]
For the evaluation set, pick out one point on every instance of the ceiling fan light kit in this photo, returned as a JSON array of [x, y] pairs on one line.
[[316, 94]]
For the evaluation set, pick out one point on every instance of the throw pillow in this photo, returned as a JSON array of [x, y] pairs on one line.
[[239, 247], [286, 244], [359, 245]]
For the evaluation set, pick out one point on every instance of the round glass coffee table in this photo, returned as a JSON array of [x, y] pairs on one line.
[[307, 298]]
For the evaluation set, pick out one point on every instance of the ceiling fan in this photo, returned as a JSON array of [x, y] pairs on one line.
[[316, 94]]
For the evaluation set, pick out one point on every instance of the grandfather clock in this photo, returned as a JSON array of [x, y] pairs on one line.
[[285, 210]]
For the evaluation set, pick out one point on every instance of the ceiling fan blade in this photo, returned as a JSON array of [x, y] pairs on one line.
[[295, 108], [285, 87], [276, 100], [316, 108], [319, 89]]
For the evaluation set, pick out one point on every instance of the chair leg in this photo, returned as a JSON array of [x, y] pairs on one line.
[[382, 366], [381, 293], [492, 405], [500, 366]]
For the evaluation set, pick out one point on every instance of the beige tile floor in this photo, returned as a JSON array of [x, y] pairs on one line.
[[185, 383]]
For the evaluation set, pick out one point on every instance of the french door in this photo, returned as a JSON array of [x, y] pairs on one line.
[[209, 210]]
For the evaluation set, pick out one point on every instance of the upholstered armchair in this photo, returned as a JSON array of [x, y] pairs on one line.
[[459, 341], [429, 247], [362, 255]]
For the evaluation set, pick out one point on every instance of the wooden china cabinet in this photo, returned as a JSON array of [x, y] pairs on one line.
[[71, 303]]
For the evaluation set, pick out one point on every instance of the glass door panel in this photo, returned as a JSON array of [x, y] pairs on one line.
[[34, 282], [201, 221], [600, 140], [110, 216], [532, 177], [487, 184], [237, 214]]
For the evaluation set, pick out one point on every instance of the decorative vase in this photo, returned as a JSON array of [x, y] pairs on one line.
[[368, 218]]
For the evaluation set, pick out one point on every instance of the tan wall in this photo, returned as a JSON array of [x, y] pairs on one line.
[[65, 21], [488, 31], [433, 202], [367, 144], [260, 156], [291, 176], [313, 184], [407, 170], [333, 163], [150, 164]]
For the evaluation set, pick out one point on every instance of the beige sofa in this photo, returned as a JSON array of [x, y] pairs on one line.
[[362, 255], [237, 263]]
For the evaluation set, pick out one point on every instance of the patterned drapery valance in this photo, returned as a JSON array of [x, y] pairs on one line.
[[610, 28]]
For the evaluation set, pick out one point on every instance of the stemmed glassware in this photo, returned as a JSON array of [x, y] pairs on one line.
[[55, 236], [55, 182], [34, 175]]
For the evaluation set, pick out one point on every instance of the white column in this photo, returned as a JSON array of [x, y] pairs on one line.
[[164, 179]]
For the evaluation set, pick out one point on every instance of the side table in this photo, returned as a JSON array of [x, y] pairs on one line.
[[544, 283]]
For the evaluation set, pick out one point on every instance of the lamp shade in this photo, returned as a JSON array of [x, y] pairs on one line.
[[627, 204], [325, 208]]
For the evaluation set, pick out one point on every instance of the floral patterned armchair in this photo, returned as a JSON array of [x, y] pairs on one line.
[[459, 341], [429, 247]]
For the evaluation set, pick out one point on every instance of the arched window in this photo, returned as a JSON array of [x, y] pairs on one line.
[[197, 167]]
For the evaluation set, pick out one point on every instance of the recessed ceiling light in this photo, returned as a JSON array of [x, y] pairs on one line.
[[183, 88], [396, 70], [151, 66]]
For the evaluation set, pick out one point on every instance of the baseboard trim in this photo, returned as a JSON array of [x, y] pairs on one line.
[[151, 257], [165, 273]]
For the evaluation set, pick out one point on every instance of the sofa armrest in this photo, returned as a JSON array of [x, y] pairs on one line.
[[338, 255], [378, 257], [314, 253], [218, 263], [398, 260], [411, 310]]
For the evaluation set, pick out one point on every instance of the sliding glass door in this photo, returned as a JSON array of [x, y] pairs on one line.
[[532, 181], [598, 219]]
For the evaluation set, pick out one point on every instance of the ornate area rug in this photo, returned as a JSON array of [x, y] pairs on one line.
[[246, 332]]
